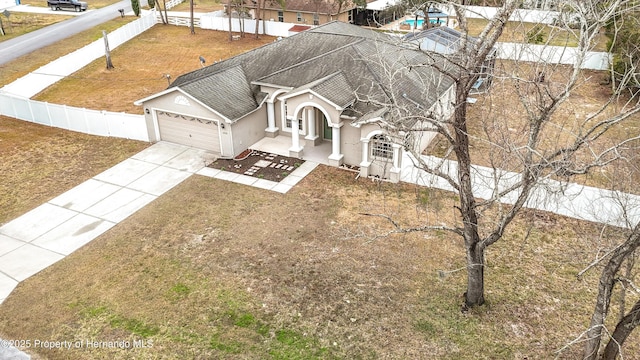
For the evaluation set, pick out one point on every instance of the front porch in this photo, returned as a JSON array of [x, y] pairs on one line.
[[282, 144]]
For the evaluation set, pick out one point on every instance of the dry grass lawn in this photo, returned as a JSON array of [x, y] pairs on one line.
[[245, 273], [20, 23], [30, 62], [217, 270], [201, 6], [519, 32], [158, 51], [499, 118], [38, 163]]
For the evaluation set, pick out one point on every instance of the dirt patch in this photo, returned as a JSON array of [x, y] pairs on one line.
[[259, 164]]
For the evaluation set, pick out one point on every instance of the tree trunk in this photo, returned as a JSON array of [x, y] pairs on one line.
[[474, 296], [258, 17], [241, 19], [107, 52], [191, 26], [264, 13], [229, 13], [622, 331], [166, 15], [475, 276], [605, 287]]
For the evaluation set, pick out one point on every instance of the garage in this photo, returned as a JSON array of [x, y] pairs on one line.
[[189, 130]]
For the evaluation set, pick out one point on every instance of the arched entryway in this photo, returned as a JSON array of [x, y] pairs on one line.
[[319, 129]]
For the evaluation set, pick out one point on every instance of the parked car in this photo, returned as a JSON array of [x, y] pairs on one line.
[[67, 4]]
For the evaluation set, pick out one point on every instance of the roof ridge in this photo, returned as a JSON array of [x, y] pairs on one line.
[[317, 82], [215, 72], [311, 59]]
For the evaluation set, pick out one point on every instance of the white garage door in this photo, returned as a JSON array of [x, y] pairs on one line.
[[188, 130]]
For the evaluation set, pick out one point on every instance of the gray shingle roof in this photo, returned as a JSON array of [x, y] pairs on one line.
[[227, 91], [342, 62], [334, 88]]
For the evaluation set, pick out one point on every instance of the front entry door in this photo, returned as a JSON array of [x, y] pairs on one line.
[[328, 132]]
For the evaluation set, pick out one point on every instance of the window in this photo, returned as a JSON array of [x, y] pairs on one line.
[[281, 16], [288, 124], [316, 19], [381, 147], [300, 19]]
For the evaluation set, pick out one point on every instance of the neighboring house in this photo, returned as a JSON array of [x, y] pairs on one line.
[[309, 12], [334, 83]]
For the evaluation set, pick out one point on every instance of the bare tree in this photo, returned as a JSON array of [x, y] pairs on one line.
[[618, 259], [280, 3], [609, 277], [163, 17], [536, 141]]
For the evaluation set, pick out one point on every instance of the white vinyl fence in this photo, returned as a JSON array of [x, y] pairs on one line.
[[94, 122], [524, 15], [552, 55], [15, 102], [218, 21]]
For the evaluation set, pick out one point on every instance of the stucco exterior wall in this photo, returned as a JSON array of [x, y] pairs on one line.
[[248, 130], [350, 144]]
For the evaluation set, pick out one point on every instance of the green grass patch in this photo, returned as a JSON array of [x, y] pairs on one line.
[[116, 321], [293, 345], [134, 326], [228, 346], [179, 291]]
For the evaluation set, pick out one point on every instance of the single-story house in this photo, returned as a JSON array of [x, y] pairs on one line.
[[366, 93]]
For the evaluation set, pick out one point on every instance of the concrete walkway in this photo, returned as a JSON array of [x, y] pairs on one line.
[[57, 228], [36, 81]]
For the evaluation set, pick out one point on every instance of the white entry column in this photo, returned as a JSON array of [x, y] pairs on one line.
[[271, 130], [365, 163], [335, 159], [311, 126], [296, 149]]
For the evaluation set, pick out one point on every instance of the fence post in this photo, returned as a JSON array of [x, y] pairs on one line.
[[49, 119]]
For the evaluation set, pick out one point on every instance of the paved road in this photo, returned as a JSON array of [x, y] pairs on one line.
[[28, 43]]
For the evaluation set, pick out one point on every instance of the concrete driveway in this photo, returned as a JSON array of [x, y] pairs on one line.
[[62, 225], [57, 228]]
